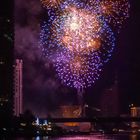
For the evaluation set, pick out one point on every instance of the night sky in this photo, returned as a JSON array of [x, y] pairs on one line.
[[43, 91]]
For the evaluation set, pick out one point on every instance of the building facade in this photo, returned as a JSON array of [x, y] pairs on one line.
[[135, 112], [18, 97]]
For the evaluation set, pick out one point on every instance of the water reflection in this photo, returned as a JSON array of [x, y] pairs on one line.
[[100, 137], [41, 138], [86, 137], [91, 137]]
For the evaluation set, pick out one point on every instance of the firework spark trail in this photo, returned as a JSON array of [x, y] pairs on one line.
[[69, 31], [81, 39], [115, 11], [78, 71], [50, 3]]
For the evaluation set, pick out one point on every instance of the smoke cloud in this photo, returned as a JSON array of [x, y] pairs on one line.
[[40, 85]]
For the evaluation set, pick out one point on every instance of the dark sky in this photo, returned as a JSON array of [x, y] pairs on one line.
[[43, 91], [128, 59]]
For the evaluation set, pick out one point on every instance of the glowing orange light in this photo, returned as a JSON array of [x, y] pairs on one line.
[[50, 3], [106, 9], [71, 112], [94, 44], [79, 37], [66, 39], [76, 65]]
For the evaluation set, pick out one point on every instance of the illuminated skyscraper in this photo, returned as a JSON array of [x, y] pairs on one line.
[[18, 97]]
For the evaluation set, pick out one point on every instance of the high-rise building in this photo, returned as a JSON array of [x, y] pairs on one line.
[[18, 97], [135, 112]]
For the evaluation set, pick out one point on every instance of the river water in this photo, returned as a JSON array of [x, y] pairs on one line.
[[81, 137]]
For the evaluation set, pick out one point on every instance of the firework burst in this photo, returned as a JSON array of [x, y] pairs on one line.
[[71, 31], [78, 71], [50, 3], [114, 11], [78, 38]]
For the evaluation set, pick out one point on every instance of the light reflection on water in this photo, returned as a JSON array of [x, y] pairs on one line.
[[81, 137], [90, 137]]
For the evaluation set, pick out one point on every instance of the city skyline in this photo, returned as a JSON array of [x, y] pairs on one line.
[[125, 62]]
